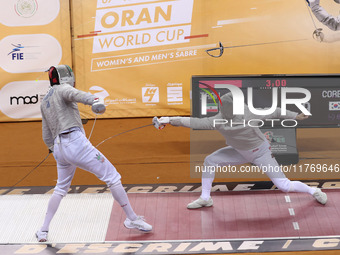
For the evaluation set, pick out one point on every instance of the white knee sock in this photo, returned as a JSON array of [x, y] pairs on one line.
[[297, 186], [52, 208], [121, 197], [206, 188]]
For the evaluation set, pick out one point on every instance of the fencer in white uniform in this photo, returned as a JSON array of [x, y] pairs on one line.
[[64, 135], [245, 145], [323, 16]]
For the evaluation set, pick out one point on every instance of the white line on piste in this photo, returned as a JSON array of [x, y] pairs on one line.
[[287, 199], [296, 225], [291, 211]]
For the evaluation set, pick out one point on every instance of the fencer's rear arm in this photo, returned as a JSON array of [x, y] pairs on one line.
[[325, 18], [46, 133]]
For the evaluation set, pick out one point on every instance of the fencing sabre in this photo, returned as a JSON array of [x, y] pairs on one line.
[[220, 48]]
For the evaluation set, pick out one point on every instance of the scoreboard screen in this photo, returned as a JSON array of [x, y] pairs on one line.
[[324, 104]]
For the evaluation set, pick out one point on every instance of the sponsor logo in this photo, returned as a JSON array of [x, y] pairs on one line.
[[16, 100], [16, 52], [21, 99], [99, 92], [334, 106], [26, 53], [150, 95], [19, 51], [26, 8], [24, 13], [102, 93], [175, 93]]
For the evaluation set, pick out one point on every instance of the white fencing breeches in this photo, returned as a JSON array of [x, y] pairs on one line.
[[75, 150], [261, 157]]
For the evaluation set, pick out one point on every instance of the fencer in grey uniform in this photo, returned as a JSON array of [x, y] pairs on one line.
[[64, 135], [323, 16], [245, 145]]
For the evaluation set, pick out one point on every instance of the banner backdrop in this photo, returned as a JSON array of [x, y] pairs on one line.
[[34, 34], [140, 54]]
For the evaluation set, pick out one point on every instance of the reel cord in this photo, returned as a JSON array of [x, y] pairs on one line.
[[123, 133], [94, 123], [30, 172], [134, 129]]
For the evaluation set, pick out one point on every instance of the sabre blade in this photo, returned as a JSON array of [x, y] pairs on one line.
[[221, 47]]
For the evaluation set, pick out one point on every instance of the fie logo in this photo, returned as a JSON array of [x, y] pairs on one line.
[[150, 94], [16, 53]]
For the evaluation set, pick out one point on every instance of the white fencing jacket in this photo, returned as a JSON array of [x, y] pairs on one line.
[[60, 112]]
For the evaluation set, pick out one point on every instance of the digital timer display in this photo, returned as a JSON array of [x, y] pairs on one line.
[[276, 83]]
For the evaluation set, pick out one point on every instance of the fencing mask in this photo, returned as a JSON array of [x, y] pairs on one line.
[[61, 74]]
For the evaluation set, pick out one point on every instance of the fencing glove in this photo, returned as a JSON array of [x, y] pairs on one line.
[[98, 106]]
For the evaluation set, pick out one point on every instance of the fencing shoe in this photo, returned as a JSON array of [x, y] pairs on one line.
[[41, 236], [138, 223], [198, 203], [320, 196]]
